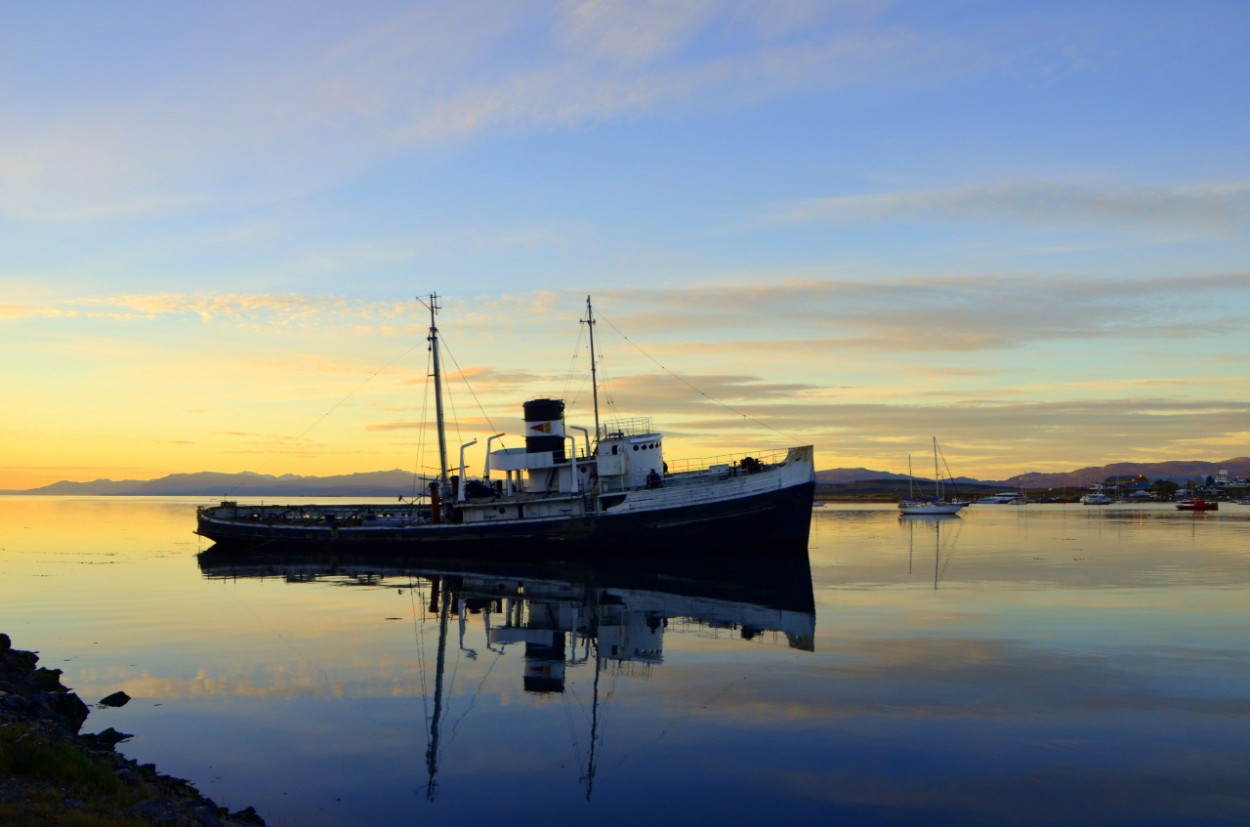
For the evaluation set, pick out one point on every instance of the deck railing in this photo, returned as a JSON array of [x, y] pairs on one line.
[[681, 466], [633, 426]]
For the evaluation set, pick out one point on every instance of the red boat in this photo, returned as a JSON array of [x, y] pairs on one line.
[[1198, 504]]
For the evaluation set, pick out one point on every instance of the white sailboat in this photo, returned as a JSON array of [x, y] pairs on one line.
[[930, 506]]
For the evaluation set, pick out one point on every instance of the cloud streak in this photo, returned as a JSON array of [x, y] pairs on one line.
[[959, 314], [1218, 208], [331, 102]]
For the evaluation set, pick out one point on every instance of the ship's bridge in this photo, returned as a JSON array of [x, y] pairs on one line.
[[631, 455]]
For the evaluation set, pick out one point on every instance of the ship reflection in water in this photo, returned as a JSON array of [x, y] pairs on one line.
[[609, 613]]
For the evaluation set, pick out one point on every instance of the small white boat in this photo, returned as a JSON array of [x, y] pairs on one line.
[[1096, 498], [1004, 498], [930, 506]]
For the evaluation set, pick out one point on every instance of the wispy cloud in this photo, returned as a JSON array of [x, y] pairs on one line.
[[801, 318], [953, 313], [13, 312], [325, 104], [629, 33], [1213, 208]]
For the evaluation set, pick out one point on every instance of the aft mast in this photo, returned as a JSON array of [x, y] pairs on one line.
[[589, 321], [438, 394]]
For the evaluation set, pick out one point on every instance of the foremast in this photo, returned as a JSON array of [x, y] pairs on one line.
[[438, 392]]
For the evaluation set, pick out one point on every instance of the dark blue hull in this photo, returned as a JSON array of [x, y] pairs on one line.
[[778, 520]]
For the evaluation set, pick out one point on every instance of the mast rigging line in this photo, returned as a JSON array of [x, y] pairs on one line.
[[421, 434], [357, 390], [693, 387], [377, 372], [574, 396], [465, 380], [949, 476]]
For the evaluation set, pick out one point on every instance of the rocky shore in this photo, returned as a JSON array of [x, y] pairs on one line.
[[52, 774]]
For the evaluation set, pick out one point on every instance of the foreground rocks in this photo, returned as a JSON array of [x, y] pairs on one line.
[[50, 774]]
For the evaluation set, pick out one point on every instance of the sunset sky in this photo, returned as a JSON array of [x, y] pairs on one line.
[[1023, 228]]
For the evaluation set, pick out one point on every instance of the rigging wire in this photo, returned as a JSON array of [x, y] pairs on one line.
[[946, 465], [357, 390], [693, 387], [377, 372], [567, 392], [605, 384], [455, 725], [951, 556], [676, 723], [421, 430], [465, 379]]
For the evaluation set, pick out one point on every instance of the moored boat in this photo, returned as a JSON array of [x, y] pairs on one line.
[[1096, 498], [1198, 504], [555, 497], [934, 505], [1004, 498]]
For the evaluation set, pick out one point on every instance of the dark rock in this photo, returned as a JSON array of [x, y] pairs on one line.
[[67, 707], [5, 643], [37, 706], [12, 702], [47, 678], [109, 738], [209, 816], [21, 659], [156, 811], [249, 816], [118, 698]]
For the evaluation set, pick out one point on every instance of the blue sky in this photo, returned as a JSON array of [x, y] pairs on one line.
[[1021, 227]]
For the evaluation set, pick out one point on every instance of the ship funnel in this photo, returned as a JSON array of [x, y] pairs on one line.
[[544, 427]]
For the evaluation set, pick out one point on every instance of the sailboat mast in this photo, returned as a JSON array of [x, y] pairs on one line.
[[937, 480], [438, 395], [594, 373]]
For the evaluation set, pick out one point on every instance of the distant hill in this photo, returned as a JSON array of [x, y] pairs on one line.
[[397, 483], [1177, 471], [839, 476], [846, 476], [393, 483]]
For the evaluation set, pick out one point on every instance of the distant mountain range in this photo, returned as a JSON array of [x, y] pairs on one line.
[[397, 483], [246, 484], [1177, 471]]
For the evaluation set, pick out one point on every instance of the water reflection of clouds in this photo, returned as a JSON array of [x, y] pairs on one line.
[[1027, 688], [277, 682], [1037, 548]]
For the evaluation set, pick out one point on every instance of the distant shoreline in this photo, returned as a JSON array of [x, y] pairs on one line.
[[853, 483]]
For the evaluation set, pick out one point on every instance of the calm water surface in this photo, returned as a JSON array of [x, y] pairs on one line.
[[1026, 665]]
